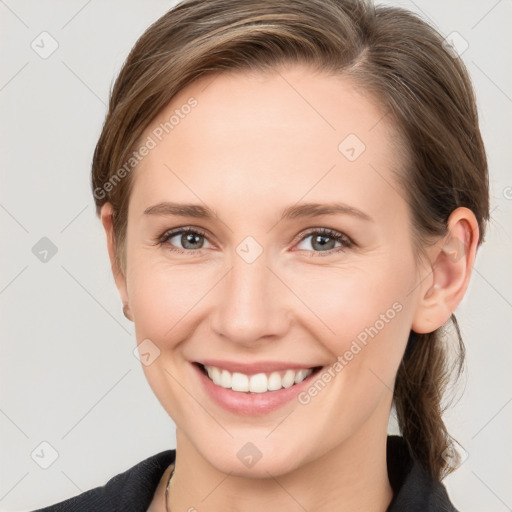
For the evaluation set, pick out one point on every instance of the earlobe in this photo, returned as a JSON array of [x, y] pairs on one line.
[[120, 279], [126, 312], [452, 261]]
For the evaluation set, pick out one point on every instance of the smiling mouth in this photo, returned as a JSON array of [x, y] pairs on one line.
[[256, 383]]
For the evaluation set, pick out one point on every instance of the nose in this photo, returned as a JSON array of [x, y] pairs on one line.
[[252, 304]]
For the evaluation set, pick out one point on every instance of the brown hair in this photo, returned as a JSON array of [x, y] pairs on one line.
[[388, 52]]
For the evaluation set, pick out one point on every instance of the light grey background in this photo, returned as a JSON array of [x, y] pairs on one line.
[[69, 377]]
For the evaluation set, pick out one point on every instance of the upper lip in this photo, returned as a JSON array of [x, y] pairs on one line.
[[256, 367]]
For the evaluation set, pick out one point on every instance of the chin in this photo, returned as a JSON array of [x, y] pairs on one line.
[[246, 459]]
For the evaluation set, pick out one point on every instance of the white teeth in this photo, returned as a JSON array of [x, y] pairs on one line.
[[288, 379], [274, 382], [215, 376], [301, 375], [239, 382], [225, 380], [258, 383]]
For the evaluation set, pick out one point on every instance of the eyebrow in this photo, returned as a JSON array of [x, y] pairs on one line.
[[301, 210]]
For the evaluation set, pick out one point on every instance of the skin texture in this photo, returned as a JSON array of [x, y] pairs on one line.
[[255, 144]]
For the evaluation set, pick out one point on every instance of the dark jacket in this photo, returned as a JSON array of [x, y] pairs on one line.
[[133, 490]]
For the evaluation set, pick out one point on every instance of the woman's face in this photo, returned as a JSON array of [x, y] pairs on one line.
[[266, 282]]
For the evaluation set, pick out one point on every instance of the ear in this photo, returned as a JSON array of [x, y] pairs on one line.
[[120, 279], [452, 260]]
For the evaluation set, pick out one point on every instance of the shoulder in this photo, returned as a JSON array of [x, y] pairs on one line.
[[413, 489], [129, 491]]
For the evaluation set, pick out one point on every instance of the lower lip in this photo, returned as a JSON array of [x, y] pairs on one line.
[[252, 404]]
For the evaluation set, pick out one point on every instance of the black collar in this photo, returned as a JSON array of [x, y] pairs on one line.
[[413, 489]]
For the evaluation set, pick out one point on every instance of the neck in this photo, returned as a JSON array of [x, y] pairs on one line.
[[353, 474]]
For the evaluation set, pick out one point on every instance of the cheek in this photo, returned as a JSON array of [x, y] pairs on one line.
[[355, 303], [164, 296], [165, 301], [370, 313]]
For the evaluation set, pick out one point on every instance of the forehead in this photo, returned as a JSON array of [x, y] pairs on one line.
[[291, 131]]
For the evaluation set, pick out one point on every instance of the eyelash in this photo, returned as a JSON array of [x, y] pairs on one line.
[[346, 241]]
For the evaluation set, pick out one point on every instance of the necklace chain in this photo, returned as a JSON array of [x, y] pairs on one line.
[[167, 489]]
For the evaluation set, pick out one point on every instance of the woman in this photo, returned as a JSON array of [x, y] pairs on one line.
[[293, 194]]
